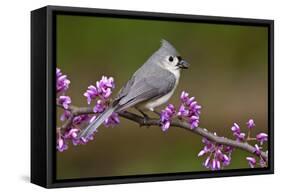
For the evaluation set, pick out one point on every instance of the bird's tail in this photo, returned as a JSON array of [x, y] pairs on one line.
[[92, 127]]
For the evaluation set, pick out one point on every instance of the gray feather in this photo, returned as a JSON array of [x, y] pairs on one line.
[[92, 127]]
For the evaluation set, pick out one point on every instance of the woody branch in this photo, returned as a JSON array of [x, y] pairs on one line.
[[76, 111]]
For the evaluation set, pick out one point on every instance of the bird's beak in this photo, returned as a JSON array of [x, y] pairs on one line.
[[183, 64]]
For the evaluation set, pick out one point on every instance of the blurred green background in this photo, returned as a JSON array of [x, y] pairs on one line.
[[228, 77]]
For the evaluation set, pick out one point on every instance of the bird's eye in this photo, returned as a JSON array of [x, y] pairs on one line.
[[171, 59]]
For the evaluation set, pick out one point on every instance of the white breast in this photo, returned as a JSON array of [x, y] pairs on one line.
[[162, 100]]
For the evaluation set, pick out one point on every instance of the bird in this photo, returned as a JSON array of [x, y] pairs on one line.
[[151, 86]]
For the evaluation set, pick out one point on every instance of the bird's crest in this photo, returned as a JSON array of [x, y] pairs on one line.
[[168, 48]]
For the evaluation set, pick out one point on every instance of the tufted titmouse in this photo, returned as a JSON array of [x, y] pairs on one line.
[[151, 85]]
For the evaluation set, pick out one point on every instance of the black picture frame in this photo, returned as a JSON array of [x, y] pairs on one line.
[[43, 95]]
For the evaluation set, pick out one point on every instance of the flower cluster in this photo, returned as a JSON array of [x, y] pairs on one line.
[[71, 135], [166, 117], [102, 89], [251, 124], [62, 82], [61, 144], [64, 101], [218, 156], [237, 132], [112, 120], [189, 110], [252, 161], [99, 93], [260, 138], [80, 119]]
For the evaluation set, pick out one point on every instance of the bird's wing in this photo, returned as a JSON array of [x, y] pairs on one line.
[[125, 89], [147, 88]]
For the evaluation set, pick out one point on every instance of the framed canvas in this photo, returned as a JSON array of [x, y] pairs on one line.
[[125, 96]]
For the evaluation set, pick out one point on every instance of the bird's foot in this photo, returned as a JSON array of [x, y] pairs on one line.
[[145, 119]]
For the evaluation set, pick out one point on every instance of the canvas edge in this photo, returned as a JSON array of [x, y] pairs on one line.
[[38, 170], [50, 164]]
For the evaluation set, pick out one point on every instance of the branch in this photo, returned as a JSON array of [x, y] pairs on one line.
[[75, 111]]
